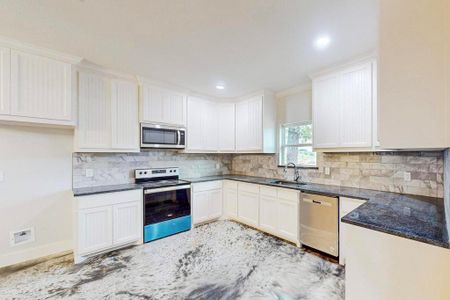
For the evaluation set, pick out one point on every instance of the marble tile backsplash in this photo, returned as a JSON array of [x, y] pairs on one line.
[[378, 170], [118, 168]]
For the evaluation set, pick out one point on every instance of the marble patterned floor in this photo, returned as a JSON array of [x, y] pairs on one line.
[[220, 260]]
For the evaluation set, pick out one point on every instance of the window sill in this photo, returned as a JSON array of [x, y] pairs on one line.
[[300, 167]]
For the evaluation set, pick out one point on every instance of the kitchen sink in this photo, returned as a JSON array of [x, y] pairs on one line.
[[286, 182]]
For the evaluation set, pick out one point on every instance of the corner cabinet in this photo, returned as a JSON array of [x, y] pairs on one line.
[[206, 201], [163, 106], [104, 222], [107, 114], [345, 108], [36, 86]]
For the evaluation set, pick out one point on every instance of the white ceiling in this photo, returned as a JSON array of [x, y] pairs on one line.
[[247, 44]]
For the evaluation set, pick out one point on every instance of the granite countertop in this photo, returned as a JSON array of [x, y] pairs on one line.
[[415, 217]]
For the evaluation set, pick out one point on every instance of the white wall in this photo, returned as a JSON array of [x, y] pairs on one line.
[[36, 190], [295, 105]]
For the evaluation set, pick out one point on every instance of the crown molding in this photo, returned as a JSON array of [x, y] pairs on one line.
[[294, 90]]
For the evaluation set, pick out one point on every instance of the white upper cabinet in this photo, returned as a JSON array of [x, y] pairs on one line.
[[226, 117], [107, 114], [160, 105], [344, 108], [35, 85], [256, 124], [202, 125], [125, 122], [5, 62]]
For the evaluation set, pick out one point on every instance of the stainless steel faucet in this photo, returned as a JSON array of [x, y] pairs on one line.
[[296, 171]]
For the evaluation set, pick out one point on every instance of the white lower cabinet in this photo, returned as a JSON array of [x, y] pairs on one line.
[[230, 198], [106, 221], [346, 205], [248, 204], [279, 212], [206, 201]]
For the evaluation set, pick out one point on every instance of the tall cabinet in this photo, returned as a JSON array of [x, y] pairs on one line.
[[345, 108], [107, 114]]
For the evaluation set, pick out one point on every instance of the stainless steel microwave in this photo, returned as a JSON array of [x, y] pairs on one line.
[[162, 136]]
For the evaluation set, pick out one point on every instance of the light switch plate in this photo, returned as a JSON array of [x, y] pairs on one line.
[[327, 170], [407, 176], [89, 173]]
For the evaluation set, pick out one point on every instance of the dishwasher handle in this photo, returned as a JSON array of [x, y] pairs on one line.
[[324, 203]]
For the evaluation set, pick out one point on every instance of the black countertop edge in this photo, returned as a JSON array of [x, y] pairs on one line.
[[415, 217]]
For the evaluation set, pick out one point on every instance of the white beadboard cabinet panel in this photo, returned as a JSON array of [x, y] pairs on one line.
[[230, 199], [95, 229], [40, 87], [242, 126], [200, 207], [226, 119], [127, 225], [125, 115], [249, 125], [195, 124], [210, 126], [268, 217], [248, 208], [94, 112], [326, 108], [215, 204], [288, 219], [5, 69], [356, 106], [160, 105]]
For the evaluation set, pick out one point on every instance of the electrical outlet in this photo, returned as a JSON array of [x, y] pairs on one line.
[[89, 173], [407, 176], [21, 237], [2, 176], [327, 170]]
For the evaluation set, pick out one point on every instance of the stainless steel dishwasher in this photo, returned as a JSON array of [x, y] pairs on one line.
[[319, 222]]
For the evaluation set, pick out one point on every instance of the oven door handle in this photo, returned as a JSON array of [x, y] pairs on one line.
[[167, 189]]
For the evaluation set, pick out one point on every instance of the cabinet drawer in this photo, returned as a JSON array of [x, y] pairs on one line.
[[97, 200], [248, 187], [268, 191], [349, 204], [207, 186], [228, 184], [287, 194]]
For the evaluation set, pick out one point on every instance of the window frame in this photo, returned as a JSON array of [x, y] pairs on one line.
[[283, 146]]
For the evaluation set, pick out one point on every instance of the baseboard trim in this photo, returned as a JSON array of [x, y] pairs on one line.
[[29, 256]]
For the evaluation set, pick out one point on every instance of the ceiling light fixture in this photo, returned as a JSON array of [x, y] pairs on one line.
[[322, 42], [220, 86]]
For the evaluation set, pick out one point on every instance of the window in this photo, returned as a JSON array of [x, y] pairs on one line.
[[296, 144]]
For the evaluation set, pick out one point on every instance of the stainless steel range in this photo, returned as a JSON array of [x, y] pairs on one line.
[[167, 202]]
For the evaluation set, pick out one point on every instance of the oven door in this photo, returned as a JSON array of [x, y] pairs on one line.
[[163, 204], [157, 136]]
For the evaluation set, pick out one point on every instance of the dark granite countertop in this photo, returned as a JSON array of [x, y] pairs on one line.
[[415, 217]]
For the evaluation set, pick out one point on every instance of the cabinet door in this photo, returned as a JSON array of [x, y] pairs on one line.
[[326, 109], [248, 208], [40, 87], [268, 217], [125, 123], [288, 219], [94, 112], [210, 126], [215, 204], [95, 230], [126, 222], [5, 60], [200, 207], [226, 117], [195, 124], [231, 205], [152, 104], [242, 124], [255, 124], [174, 109], [356, 106]]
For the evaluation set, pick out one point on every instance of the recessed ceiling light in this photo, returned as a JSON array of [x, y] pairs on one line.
[[220, 86], [322, 42]]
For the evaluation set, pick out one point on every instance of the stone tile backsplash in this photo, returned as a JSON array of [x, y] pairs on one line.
[[118, 168], [378, 170]]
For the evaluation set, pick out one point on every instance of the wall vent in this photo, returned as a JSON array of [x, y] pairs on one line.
[[21, 237]]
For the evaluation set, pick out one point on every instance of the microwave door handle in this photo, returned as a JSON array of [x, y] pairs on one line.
[[179, 137]]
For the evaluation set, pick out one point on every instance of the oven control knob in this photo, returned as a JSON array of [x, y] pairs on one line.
[[140, 173], [145, 172]]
